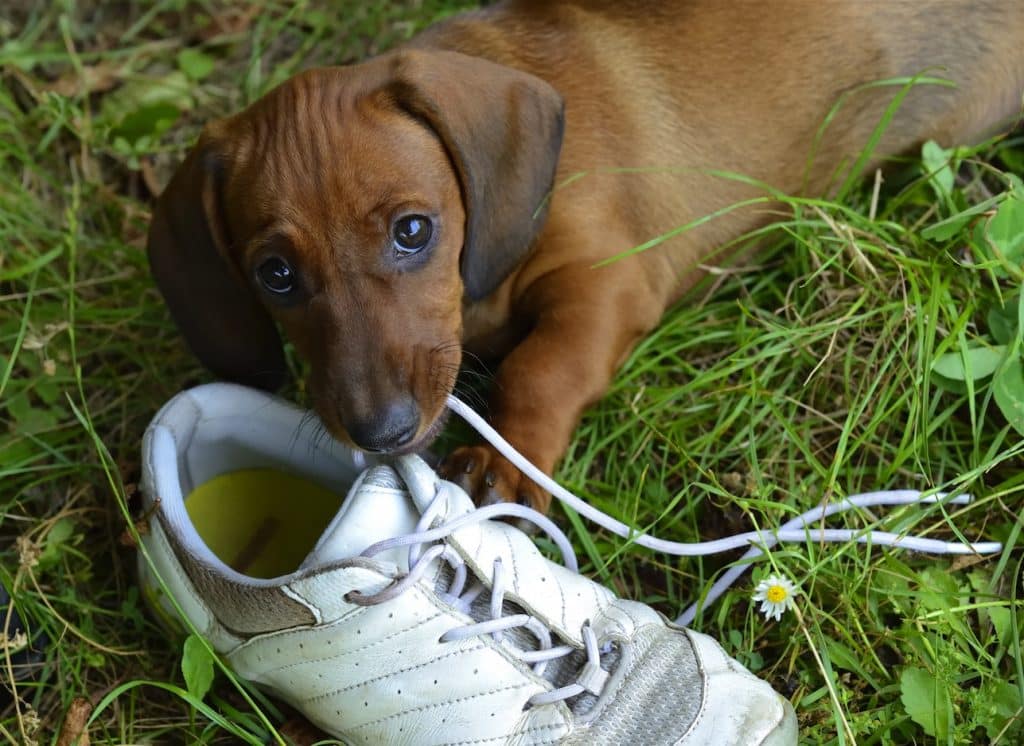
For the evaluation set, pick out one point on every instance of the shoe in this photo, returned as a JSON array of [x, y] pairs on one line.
[[403, 614]]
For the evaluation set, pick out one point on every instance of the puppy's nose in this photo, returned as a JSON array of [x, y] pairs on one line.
[[390, 428]]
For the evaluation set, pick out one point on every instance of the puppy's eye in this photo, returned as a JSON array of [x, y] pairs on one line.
[[276, 275], [410, 233]]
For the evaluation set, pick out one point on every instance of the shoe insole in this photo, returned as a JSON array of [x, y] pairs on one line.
[[261, 522]]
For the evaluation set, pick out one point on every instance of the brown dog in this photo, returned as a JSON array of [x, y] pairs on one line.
[[386, 213]]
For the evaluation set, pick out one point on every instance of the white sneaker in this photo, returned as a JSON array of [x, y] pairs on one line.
[[401, 614]]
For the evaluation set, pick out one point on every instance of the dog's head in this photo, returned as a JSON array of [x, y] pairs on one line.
[[357, 207]]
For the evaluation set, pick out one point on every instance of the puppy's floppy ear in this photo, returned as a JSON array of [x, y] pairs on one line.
[[220, 317], [502, 129]]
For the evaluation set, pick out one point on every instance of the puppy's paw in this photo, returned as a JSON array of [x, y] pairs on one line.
[[490, 478]]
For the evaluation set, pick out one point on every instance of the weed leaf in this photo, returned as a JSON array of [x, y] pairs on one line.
[[197, 666], [63, 529], [31, 419], [951, 226], [843, 657], [975, 363], [147, 107], [1001, 623], [936, 164], [1002, 322], [1008, 389], [926, 700], [1020, 311], [195, 64], [1003, 703], [1006, 229]]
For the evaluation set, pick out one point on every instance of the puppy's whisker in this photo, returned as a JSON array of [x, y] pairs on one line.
[[475, 359], [477, 374], [470, 395], [321, 435], [308, 417]]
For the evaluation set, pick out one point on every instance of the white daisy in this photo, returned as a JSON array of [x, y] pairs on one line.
[[776, 596]]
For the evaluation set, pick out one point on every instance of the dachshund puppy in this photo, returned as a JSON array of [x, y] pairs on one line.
[[464, 189]]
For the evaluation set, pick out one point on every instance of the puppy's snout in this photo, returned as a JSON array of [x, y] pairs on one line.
[[388, 429]]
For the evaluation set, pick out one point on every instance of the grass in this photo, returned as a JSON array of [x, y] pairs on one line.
[[806, 376]]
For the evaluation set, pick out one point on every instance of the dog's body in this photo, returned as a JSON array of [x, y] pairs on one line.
[[464, 128]]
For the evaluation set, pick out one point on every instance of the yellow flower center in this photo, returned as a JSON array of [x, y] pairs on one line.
[[776, 594]]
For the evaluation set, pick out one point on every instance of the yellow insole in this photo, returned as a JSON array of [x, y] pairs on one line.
[[261, 522]]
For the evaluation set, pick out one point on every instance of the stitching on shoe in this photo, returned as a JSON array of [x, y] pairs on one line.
[[704, 694], [603, 602], [478, 533], [561, 593], [327, 695], [515, 569], [446, 703], [305, 632], [615, 618], [317, 616], [458, 596], [523, 732], [636, 624], [598, 599], [516, 591]]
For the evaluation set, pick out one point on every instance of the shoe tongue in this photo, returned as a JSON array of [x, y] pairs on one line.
[[377, 507]]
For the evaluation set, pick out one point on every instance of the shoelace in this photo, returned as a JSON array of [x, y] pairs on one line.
[[591, 677], [796, 530]]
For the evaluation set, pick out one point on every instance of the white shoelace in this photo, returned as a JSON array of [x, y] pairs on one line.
[[796, 530], [591, 677]]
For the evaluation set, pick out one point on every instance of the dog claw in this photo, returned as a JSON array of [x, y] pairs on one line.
[[489, 479]]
